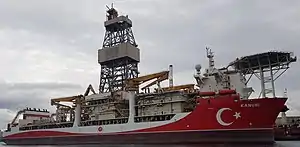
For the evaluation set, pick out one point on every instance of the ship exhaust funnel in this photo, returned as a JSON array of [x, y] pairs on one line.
[[131, 97], [77, 114], [170, 75]]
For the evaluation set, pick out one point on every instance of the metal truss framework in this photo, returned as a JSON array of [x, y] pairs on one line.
[[115, 73], [122, 35], [267, 67]]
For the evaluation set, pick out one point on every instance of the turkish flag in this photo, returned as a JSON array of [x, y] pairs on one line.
[[227, 116]]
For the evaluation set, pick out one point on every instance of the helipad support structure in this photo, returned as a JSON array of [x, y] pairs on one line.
[[267, 67], [119, 56]]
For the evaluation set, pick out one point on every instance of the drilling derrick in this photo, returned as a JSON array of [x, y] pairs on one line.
[[119, 56]]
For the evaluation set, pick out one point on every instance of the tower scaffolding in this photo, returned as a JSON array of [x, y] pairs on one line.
[[119, 56]]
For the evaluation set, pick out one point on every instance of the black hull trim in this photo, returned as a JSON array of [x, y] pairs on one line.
[[249, 136]]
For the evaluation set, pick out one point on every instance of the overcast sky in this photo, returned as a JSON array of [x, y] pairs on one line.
[[49, 48]]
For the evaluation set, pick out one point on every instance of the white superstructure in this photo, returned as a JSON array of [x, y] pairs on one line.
[[214, 79]]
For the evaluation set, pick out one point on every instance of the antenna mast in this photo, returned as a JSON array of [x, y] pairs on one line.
[[210, 56]]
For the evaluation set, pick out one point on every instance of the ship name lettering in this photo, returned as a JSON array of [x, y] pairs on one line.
[[250, 105]]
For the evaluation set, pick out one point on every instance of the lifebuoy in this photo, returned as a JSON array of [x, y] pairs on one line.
[[100, 129]]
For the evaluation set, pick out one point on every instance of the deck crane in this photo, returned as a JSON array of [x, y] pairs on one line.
[[133, 84], [76, 100], [189, 87]]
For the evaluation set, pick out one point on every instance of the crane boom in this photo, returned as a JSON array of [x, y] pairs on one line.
[[133, 84], [66, 99], [179, 87]]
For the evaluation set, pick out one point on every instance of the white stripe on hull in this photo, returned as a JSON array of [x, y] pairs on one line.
[[106, 129]]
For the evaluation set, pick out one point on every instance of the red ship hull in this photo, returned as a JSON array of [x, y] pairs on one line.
[[222, 119], [186, 137]]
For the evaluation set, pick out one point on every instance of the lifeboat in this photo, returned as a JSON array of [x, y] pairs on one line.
[[226, 91], [207, 93]]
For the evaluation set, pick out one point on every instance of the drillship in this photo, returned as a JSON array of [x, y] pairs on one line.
[[217, 108]]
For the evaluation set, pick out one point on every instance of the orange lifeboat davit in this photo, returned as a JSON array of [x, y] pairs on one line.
[[207, 93]]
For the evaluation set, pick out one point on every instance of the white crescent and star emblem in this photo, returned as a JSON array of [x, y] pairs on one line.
[[219, 119]]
